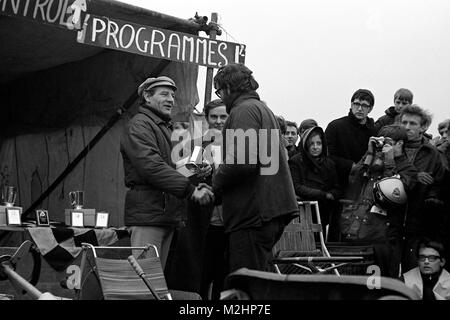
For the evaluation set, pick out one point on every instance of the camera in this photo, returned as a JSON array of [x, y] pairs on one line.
[[379, 142]]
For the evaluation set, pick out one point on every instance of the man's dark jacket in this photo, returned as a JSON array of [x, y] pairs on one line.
[[347, 142], [419, 216], [249, 197], [391, 116], [156, 188]]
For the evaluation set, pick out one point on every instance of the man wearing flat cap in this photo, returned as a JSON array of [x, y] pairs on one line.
[[348, 136], [154, 203]]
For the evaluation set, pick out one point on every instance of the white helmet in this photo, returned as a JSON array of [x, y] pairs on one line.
[[389, 192]]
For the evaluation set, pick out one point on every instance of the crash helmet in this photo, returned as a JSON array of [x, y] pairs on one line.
[[389, 192]]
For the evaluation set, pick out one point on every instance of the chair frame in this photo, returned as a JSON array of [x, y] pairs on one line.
[[308, 227]]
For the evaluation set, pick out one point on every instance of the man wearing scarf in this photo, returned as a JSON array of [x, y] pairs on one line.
[[348, 136], [424, 216]]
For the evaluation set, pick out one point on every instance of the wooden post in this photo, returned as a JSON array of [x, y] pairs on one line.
[[209, 70]]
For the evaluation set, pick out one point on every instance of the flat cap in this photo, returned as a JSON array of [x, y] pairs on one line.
[[156, 82]]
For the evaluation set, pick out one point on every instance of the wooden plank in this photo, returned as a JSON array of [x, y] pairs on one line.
[[59, 13], [149, 41]]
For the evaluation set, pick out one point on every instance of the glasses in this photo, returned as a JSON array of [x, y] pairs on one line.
[[431, 258], [218, 93], [361, 105]]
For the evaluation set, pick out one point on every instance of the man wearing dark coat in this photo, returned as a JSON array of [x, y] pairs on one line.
[[154, 203], [347, 137], [254, 181]]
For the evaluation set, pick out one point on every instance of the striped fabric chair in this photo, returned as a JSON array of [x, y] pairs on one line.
[[118, 280]]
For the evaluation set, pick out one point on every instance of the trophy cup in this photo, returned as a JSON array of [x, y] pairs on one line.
[[76, 199], [78, 216], [9, 195], [9, 214]]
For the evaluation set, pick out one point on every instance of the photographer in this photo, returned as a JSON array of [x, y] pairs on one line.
[[378, 220]]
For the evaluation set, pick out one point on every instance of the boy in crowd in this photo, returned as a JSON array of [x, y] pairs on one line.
[[402, 97]]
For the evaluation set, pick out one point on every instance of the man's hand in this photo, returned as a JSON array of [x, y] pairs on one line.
[[425, 178], [203, 195], [329, 196], [372, 143]]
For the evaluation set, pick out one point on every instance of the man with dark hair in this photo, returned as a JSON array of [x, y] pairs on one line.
[[348, 136], [154, 203], [376, 220], [291, 136], [258, 197], [424, 216], [402, 97], [429, 280]]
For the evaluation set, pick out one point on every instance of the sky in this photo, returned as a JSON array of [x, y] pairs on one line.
[[310, 56]]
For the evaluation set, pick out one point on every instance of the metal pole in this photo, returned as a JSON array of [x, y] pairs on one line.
[[21, 282], [209, 70]]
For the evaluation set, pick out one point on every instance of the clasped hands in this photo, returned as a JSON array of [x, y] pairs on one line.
[[203, 194]]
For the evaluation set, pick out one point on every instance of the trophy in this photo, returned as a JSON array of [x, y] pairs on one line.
[[76, 199], [9, 195], [9, 214], [78, 216]]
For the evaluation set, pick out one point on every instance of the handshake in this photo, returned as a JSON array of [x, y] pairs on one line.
[[203, 194]]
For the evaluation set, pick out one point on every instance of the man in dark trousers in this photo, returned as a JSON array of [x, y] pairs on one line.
[[154, 203], [348, 136], [254, 181]]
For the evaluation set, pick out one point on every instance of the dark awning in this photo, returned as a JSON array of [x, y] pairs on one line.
[[29, 46]]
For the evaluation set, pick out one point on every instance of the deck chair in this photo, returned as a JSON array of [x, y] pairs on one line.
[[297, 251], [246, 284], [115, 279], [22, 269]]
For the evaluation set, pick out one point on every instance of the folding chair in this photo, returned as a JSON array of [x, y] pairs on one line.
[[246, 284], [116, 279], [22, 269], [297, 249]]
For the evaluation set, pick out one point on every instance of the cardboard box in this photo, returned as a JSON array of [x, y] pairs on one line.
[[3, 214], [88, 216]]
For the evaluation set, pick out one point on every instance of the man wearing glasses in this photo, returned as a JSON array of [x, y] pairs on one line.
[[430, 280], [402, 98], [348, 136]]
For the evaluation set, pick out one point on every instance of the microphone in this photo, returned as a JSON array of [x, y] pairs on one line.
[[138, 269]]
